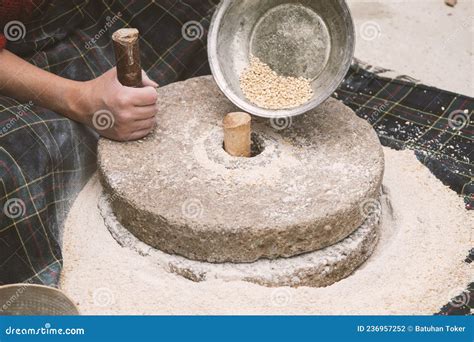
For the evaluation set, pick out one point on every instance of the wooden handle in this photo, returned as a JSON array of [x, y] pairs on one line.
[[127, 56], [237, 134]]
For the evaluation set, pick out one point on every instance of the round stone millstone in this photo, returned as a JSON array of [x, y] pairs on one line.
[[180, 192], [316, 269]]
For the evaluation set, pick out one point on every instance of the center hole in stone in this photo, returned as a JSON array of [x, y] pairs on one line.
[[257, 146]]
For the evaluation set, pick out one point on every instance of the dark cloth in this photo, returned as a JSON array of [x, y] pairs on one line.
[[16, 10], [11, 11], [46, 159]]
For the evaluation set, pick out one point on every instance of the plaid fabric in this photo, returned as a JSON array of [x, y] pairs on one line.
[[46, 159], [73, 39], [435, 123]]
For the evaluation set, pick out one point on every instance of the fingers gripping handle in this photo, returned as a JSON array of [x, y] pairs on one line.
[[127, 56]]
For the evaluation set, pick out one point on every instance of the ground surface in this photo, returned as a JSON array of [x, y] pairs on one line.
[[424, 39]]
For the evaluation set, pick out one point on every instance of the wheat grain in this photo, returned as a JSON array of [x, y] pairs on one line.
[[265, 88]]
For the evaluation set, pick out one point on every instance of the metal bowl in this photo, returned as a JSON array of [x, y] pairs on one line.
[[32, 300], [309, 38]]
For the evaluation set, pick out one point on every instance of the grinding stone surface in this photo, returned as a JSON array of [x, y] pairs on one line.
[[316, 269], [180, 192]]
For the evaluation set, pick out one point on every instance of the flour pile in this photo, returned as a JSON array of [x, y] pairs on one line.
[[417, 266]]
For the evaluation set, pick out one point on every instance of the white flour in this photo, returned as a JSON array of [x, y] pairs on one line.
[[417, 267]]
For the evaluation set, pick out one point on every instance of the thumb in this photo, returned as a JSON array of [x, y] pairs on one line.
[[147, 82]]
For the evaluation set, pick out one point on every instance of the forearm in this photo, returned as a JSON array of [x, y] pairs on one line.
[[130, 111], [24, 82]]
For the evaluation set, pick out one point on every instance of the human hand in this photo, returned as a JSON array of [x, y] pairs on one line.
[[118, 112]]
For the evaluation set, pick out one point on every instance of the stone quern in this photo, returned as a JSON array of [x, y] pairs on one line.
[[312, 182]]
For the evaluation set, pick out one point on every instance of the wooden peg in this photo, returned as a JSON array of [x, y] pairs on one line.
[[237, 134]]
